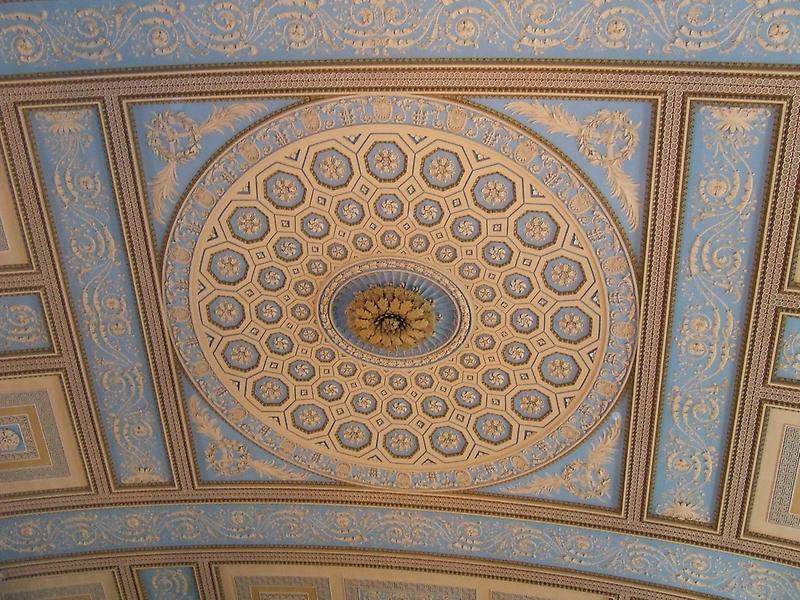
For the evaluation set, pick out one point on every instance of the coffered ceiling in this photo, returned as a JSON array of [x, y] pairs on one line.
[[386, 299]]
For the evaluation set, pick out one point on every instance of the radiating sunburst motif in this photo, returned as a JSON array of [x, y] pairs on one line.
[[391, 317]]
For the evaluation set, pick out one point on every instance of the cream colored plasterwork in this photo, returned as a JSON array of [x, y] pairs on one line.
[[339, 576], [75, 477], [607, 139], [229, 457], [777, 421], [585, 479], [14, 250], [175, 138], [89, 585], [711, 283]]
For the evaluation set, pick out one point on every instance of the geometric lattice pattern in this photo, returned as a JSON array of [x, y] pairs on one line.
[[527, 342], [467, 299]]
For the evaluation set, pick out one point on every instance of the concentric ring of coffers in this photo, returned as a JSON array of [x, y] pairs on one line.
[[549, 295]]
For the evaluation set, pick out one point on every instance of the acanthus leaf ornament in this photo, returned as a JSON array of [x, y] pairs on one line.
[[606, 139], [638, 558], [586, 478], [228, 457], [175, 139]]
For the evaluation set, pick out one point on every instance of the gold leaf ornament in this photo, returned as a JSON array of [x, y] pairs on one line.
[[391, 317]]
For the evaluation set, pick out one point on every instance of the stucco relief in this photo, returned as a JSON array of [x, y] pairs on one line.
[[337, 262]]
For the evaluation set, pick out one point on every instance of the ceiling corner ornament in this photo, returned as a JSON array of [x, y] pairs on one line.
[[584, 479], [175, 138], [228, 457], [606, 139], [400, 292]]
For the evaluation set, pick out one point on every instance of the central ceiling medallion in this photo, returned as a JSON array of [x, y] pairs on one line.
[[391, 318], [394, 313], [401, 292]]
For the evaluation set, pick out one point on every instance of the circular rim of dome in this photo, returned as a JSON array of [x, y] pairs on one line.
[[575, 195]]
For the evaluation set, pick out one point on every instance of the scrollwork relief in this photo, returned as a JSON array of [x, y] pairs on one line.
[[585, 479], [787, 355], [105, 34], [637, 558], [708, 321], [170, 584], [228, 457], [175, 138], [22, 327], [606, 139], [93, 255]]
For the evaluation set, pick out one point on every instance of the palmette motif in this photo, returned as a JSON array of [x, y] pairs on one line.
[[102, 34]]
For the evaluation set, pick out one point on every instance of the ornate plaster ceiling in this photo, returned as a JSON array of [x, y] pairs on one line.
[[278, 324]]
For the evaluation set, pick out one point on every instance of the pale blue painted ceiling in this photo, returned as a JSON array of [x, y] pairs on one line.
[[657, 209]]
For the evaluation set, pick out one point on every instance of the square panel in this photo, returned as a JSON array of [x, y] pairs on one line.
[[785, 369], [91, 585], [774, 510], [168, 583], [39, 450], [22, 443], [228, 344]]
